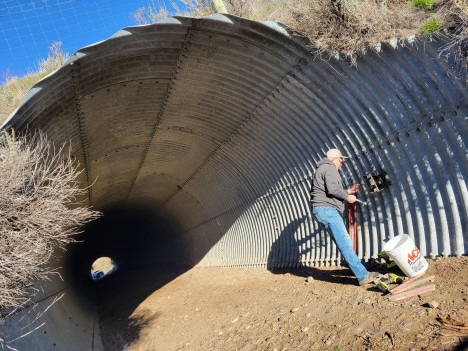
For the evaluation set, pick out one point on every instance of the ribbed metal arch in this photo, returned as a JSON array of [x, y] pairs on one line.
[[220, 121]]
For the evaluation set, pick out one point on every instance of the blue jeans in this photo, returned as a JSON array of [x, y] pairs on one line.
[[332, 220]]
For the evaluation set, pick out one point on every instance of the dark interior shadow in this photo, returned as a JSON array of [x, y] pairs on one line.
[[119, 296], [143, 246], [462, 346]]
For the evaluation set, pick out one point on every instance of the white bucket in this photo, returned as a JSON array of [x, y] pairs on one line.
[[406, 255]]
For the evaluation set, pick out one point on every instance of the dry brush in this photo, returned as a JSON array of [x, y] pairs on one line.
[[39, 212]]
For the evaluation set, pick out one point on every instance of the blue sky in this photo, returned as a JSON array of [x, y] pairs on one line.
[[29, 27]]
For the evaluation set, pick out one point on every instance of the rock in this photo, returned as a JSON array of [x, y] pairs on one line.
[[309, 279], [295, 309], [433, 304]]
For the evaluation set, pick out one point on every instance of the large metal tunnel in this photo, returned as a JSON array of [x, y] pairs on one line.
[[198, 138]]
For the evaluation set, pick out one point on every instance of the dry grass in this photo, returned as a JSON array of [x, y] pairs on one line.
[[38, 212], [15, 89], [455, 15], [350, 27]]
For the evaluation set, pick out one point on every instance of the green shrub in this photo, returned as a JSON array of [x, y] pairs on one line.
[[422, 3], [431, 26]]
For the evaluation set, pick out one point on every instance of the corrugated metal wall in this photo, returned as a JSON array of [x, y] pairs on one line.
[[219, 122]]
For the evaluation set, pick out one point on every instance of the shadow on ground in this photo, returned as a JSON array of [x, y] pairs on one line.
[[144, 247], [117, 298]]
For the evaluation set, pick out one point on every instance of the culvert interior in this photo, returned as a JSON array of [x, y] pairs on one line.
[[198, 137], [137, 240], [148, 255]]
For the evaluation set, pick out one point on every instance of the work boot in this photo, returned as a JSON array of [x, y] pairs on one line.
[[370, 278]]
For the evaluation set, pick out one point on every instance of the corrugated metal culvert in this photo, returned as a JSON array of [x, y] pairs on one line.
[[199, 137], [219, 122]]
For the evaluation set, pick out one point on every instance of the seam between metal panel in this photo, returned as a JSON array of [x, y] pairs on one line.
[[157, 120], [81, 130]]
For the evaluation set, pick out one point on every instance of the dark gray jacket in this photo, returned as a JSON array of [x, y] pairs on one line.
[[327, 187]]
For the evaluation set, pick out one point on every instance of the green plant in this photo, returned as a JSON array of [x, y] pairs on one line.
[[422, 3], [431, 26], [336, 348]]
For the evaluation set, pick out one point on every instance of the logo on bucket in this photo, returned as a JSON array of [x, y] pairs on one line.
[[415, 260]]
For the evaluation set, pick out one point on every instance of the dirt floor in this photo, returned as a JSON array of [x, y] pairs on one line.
[[296, 309]]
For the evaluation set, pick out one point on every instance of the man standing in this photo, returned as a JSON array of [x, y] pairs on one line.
[[327, 198]]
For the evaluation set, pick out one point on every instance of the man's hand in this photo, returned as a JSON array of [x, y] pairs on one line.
[[353, 189], [351, 199]]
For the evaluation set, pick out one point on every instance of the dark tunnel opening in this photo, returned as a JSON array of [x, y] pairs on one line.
[[147, 250]]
